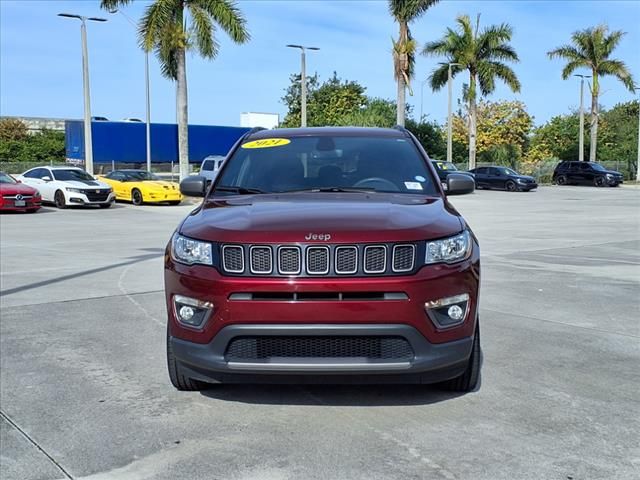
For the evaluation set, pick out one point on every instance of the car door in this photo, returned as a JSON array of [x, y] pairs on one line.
[[35, 178], [573, 173], [49, 185], [481, 177], [587, 174], [496, 178]]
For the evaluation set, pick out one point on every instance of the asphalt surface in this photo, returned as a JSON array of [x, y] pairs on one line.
[[84, 391]]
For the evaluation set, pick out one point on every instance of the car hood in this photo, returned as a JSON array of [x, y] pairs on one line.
[[16, 188], [84, 184], [346, 217], [159, 185], [613, 172]]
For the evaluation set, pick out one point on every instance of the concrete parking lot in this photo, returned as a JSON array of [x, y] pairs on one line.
[[85, 394]]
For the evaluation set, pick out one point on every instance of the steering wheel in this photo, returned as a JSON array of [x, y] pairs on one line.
[[382, 183]]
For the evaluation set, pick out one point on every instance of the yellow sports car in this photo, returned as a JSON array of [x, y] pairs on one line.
[[140, 186]]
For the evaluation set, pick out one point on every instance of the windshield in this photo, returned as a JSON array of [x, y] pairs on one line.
[[327, 163], [598, 167], [5, 178], [71, 174], [445, 166], [140, 176]]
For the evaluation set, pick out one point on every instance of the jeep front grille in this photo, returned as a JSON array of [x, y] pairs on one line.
[[319, 260]]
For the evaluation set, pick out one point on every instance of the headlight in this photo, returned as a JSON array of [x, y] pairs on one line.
[[189, 251], [609, 176], [521, 180], [449, 250], [74, 190]]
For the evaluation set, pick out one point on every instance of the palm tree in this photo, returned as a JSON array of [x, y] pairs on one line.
[[591, 48], [483, 55], [404, 12], [171, 27]]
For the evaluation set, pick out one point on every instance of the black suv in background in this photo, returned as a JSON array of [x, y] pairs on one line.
[[503, 178], [585, 173]]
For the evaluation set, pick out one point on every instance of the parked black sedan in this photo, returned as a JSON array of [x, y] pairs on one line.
[[503, 178], [444, 169]]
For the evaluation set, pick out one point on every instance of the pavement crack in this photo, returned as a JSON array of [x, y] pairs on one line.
[[84, 299], [10, 421]]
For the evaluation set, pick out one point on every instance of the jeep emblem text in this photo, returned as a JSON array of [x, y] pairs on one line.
[[318, 236]]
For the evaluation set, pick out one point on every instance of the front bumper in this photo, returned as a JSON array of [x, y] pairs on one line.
[[430, 362], [163, 196], [527, 186], [74, 198]]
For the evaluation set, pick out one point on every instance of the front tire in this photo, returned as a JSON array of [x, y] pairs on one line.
[[178, 379], [59, 200], [600, 181], [468, 381], [136, 197], [511, 186]]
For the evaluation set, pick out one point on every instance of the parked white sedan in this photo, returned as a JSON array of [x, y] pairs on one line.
[[65, 186]]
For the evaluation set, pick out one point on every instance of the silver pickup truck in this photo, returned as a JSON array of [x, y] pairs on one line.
[[211, 166]]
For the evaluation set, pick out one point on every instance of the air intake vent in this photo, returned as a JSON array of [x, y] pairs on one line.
[[233, 258], [346, 260], [261, 262], [403, 258], [318, 260], [289, 260], [375, 259]]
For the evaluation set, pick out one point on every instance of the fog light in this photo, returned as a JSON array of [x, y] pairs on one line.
[[455, 312], [187, 313], [448, 312], [192, 312]]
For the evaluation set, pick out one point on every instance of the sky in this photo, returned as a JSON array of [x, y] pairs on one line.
[[41, 71]]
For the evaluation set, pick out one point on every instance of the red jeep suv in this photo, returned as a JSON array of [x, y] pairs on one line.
[[324, 255]]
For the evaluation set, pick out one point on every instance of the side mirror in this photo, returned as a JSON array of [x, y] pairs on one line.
[[195, 186], [460, 184], [46, 178]]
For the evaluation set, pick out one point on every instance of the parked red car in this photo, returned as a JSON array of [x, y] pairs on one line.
[[17, 196], [324, 255]]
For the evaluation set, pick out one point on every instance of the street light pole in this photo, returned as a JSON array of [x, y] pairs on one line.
[[637, 87], [303, 82], [88, 145], [450, 114], [147, 90], [581, 143]]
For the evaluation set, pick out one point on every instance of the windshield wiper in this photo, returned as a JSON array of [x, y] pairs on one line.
[[240, 190], [334, 189]]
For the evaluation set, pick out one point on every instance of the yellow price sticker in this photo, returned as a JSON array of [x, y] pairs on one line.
[[267, 143]]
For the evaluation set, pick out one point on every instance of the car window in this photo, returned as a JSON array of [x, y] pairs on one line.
[[207, 165], [384, 164], [139, 176], [597, 167], [506, 171], [118, 176], [481, 170], [494, 171], [585, 167], [35, 173], [71, 174], [6, 178]]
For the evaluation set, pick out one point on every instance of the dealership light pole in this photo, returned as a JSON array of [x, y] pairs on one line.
[[88, 146], [581, 144], [449, 115], [637, 87], [303, 83], [147, 90]]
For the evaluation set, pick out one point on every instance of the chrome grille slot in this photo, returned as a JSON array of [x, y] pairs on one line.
[[318, 260], [375, 259], [346, 260], [403, 258], [289, 260], [261, 262], [233, 258]]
